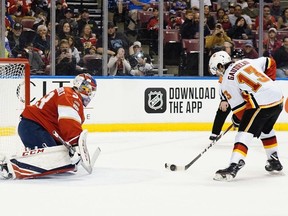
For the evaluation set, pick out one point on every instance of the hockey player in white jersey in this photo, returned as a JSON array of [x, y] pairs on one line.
[[256, 102]]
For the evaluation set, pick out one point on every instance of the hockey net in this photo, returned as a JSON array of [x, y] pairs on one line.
[[15, 95]]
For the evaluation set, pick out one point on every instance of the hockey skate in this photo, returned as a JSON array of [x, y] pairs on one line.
[[273, 164], [4, 171], [213, 137], [229, 173]]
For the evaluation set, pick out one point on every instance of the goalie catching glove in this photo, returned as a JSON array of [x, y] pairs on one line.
[[235, 120]]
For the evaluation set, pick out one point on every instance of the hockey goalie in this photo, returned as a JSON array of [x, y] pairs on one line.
[[51, 131]]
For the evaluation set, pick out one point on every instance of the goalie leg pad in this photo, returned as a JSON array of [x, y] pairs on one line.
[[40, 162], [23, 170]]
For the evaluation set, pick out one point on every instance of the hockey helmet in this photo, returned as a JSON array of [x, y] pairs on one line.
[[217, 59], [86, 85]]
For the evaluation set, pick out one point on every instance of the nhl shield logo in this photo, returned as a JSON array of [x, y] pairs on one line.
[[155, 100]]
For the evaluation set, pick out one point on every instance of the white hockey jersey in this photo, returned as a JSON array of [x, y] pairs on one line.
[[246, 86]]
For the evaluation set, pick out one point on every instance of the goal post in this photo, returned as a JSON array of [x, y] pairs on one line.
[[15, 95]]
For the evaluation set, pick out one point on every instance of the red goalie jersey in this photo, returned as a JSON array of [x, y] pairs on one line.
[[60, 110]]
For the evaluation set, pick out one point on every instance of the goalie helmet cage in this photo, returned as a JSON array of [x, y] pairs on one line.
[[15, 95]]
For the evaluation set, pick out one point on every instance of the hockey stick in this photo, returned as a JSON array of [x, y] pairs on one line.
[[67, 145], [174, 167]]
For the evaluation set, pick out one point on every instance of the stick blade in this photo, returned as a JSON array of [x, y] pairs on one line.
[[95, 156]]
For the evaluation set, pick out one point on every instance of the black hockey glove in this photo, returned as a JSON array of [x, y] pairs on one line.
[[235, 120]]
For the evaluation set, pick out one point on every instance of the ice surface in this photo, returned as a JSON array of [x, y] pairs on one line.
[[129, 179]]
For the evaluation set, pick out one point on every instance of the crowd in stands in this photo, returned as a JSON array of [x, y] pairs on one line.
[[232, 24]]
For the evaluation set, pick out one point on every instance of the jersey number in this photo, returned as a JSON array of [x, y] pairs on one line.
[[45, 99], [253, 85]]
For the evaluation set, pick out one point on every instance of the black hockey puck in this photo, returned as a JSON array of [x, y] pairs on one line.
[[172, 167]]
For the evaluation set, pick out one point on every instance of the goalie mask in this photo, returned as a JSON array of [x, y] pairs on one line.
[[216, 60], [86, 86]]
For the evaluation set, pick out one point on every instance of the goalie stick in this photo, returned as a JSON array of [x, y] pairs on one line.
[[174, 167], [86, 162]]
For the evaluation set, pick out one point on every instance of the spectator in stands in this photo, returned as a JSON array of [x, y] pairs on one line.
[[282, 23], [8, 53], [40, 19], [249, 51], [42, 5], [57, 48], [115, 41], [186, 30], [85, 19], [216, 40], [269, 21], [220, 15], [238, 13], [49, 26], [140, 62], [88, 39], [60, 11], [226, 25], [65, 61], [9, 21], [133, 7], [210, 20], [116, 11], [112, 9], [231, 9], [118, 65], [276, 9], [190, 27], [18, 8], [35, 60], [281, 58], [251, 10], [175, 21], [153, 29], [65, 30], [242, 3], [224, 4], [42, 39], [16, 39], [271, 43], [195, 3], [240, 30], [93, 51], [74, 49], [179, 5], [69, 13], [228, 46], [122, 9]]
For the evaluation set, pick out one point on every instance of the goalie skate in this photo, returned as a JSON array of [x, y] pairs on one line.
[[4, 171], [229, 173]]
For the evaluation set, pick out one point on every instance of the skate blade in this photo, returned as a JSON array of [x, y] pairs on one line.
[[226, 177]]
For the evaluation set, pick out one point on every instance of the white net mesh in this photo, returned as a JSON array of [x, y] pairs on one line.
[[12, 82]]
